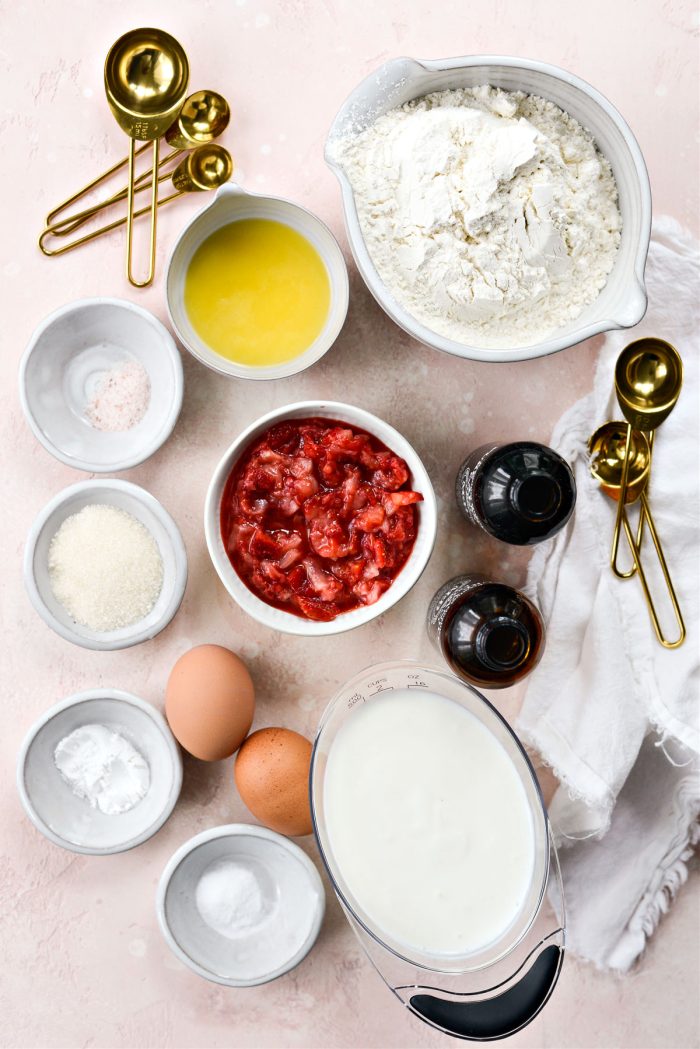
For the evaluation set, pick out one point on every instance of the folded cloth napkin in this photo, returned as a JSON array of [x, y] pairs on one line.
[[614, 714]]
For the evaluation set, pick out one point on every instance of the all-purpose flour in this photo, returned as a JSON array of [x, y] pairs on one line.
[[490, 215]]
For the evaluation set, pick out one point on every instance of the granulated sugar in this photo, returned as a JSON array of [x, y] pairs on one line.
[[105, 568]]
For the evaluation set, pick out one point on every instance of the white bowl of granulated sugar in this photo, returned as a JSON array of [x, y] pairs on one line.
[[105, 565]]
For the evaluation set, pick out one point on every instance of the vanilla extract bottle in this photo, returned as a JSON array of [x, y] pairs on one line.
[[489, 633], [520, 493]]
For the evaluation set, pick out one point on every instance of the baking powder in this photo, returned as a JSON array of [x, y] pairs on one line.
[[103, 767]]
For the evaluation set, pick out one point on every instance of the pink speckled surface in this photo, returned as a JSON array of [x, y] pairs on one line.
[[83, 963]]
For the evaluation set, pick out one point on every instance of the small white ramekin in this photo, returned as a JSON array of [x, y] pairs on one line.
[[622, 302], [143, 506], [206, 952], [231, 204], [276, 618], [69, 353], [70, 821]]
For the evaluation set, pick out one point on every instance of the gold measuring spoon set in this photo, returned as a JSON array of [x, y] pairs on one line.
[[146, 78], [648, 380]]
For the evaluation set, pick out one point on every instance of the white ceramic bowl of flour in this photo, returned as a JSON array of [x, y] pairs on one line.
[[240, 905], [71, 354], [141, 505], [622, 302], [70, 820]]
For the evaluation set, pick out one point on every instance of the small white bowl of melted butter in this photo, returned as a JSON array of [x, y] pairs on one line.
[[257, 286]]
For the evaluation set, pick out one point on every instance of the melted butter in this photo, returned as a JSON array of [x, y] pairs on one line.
[[257, 292]]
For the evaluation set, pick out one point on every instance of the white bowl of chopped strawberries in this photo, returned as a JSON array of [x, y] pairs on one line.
[[319, 517]]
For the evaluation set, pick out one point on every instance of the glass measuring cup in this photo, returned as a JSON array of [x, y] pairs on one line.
[[498, 989]]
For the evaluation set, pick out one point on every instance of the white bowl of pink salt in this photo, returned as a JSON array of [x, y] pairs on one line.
[[101, 384], [105, 565]]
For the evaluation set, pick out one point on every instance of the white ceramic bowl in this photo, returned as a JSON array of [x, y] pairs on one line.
[[286, 622], [622, 302], [66, 358], [230, 204], [289, 879], [70, 821], [141, 505]]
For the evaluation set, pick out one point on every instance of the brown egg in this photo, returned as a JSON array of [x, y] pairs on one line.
[[210, 702], [272, 776]]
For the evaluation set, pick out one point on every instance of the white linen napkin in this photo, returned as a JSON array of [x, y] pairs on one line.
[[613, 713]]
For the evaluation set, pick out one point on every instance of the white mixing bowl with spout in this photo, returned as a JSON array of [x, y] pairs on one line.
[[622, 302]]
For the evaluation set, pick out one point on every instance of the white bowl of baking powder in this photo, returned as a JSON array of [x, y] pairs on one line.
[[72, 821], [240, 905], [622, 301]]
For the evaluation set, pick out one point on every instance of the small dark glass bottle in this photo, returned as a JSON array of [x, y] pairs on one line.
[[489, 633], [521, 493]]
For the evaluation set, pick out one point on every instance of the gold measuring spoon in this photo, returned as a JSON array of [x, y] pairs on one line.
[[614, 453], [606, 449], [204, 116], [205, 168], [648, 380], [146, 74]]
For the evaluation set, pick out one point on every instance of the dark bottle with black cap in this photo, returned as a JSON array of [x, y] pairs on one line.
[[489, 633], [521, 493]]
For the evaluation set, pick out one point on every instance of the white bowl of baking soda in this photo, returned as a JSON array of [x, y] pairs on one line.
[[240, 905]]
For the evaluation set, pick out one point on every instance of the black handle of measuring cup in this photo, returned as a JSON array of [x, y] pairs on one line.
[[488, 1019]]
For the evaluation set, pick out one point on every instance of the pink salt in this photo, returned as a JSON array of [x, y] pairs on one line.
[[121, 398]]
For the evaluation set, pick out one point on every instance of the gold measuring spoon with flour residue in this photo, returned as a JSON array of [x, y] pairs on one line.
[[204, 169], [615, 453]]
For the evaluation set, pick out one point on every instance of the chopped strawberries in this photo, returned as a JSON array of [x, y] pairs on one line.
[[317, 517]]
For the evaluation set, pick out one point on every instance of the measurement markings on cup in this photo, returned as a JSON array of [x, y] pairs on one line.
[[379, 686]]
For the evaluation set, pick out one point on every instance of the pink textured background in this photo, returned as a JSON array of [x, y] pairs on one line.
[[82, 960]]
